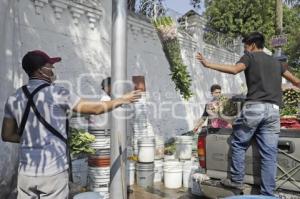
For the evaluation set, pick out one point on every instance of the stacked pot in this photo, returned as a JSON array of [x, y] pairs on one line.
[[184, 148], [99, 163], [158, 162], [140, 122], [145, 165]]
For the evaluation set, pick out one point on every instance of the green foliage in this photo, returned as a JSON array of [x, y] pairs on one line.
[[179, 74], [224, 106], [170, 148], [240, 17], [229, 107], [296, 72], [291, 100], [291, 19], [163, 21], [80, 142]]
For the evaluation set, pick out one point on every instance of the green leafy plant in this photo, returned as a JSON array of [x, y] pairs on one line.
[[291, 100], [170, 149], [166, 28], [224, 106], [80, 142]]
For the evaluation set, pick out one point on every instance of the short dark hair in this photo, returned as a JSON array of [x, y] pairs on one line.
[[215, 87], [255, 37], [106, 82]]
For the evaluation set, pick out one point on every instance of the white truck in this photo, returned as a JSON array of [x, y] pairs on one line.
[[215, 157]]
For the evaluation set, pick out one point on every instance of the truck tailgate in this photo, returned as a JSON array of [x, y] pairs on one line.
[[218, 158]]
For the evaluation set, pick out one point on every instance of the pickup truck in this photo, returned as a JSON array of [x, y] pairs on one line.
[[215, 157]]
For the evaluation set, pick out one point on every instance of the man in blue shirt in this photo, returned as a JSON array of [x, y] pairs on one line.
[[35, 116]]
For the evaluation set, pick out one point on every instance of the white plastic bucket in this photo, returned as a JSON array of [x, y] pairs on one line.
[[184, 147], [145, 174], [79, 123], [169, 157], [187, 169], [130, 172], [102, 140], [173, 174], [158, 171], [98, 179], [146, 149], [80, 171], [159, 149], [102, 152]]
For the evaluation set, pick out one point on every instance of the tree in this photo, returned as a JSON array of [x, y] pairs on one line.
[[239, 17], [291, 26]]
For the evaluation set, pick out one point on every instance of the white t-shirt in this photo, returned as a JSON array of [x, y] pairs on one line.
[[101, 121]]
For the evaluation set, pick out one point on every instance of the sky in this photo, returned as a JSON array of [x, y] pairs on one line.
[[181, 6]]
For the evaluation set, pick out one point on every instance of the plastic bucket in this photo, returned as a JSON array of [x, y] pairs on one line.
[[88, 195], [80, 171], [145, 174], [99, 161], [184, 147], [169, 157], [186, 173], [159, 149], [102, 140], [102, 152], [146, 149], [98, 179], [158, 171], [130, 172], [173, 174], [79, 123]]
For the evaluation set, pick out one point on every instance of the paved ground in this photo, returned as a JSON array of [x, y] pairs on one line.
[[159, 191]]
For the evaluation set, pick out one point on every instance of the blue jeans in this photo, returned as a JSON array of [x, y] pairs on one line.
[[262, 121]]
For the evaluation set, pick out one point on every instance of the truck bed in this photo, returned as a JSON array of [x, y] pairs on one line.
[[218, 158]]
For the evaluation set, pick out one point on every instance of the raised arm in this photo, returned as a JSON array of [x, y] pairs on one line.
[[99, 107], [290, 77], [225, 68]]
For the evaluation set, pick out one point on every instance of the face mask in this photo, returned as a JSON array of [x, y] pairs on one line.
[[51, 78], [216, 98]]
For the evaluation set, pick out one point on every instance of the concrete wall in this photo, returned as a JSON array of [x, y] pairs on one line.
[[80, 32]]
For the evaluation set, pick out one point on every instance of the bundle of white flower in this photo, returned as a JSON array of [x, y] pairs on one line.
[[167, 31]]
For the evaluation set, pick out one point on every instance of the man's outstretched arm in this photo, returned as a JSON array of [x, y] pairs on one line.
[[99, 107], [225, 68], [290, 77]]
